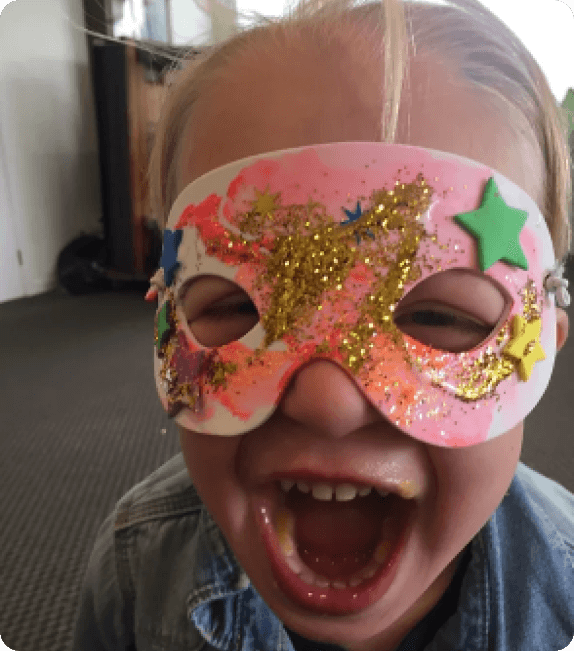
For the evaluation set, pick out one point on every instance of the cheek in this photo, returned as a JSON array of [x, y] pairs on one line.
[[206, 457], [212, 465], [470, 484]]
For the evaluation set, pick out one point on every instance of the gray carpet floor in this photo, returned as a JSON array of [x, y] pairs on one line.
[[81, 423]]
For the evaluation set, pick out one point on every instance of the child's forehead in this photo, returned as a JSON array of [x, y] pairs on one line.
[[256, 110]]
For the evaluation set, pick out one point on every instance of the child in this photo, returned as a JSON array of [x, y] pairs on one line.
[[349, 335]]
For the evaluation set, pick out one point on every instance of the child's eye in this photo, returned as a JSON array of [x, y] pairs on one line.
[[455, 310], [438, 318], [442, 327], [229, 308], [224, 321]]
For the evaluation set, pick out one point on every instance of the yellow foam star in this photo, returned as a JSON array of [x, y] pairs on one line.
[[524, 345], [265, 202]]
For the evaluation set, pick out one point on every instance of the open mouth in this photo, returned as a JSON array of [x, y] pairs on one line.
[[333, 548]]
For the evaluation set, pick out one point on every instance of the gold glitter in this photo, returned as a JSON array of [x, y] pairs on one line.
[[504, 332], [219, 373], [189, 394], [308, 253], [483, 375], [322, 259], [264, 204], [178, 395], [529, 295]]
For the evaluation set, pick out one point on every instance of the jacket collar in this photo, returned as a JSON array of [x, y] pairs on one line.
[[231, 615], [223, 604]]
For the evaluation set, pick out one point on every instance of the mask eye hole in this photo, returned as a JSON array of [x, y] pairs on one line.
[[455, 310], [217, 310]]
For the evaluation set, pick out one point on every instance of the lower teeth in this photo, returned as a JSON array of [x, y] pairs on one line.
[[285, 524]]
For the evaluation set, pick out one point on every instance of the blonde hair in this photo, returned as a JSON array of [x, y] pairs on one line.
[[485, 51]]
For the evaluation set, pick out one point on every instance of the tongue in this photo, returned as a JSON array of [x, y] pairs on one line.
[[337, 529]]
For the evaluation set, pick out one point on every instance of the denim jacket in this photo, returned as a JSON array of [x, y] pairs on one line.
[[162, 577]]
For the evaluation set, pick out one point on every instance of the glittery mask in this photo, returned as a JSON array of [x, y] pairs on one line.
[[327, 241]]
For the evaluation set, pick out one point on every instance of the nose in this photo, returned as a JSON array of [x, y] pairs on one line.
[[325, 400]]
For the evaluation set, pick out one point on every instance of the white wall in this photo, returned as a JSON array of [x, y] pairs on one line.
[[190, 25], [49, 163]]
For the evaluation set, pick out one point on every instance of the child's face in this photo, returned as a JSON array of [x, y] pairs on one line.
[[324, 422]]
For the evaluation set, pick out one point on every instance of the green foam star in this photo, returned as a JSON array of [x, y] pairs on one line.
[[497, 228], [164, 326]]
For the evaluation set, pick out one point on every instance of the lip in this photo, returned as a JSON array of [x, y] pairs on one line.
[[392, 462], [326, 601]]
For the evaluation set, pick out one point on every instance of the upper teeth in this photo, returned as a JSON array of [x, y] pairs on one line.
[[342, 492]]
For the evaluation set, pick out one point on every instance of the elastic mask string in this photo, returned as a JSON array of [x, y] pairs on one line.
[[554, 282]]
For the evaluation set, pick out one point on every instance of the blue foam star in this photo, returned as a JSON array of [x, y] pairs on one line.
[[353, 216], [169, 263]]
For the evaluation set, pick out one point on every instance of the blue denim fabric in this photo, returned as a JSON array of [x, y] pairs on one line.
[[162, 577]]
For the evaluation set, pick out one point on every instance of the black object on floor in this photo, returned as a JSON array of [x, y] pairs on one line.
[[80, 266]]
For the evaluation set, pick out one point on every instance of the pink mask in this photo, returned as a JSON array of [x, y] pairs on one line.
[[328, 242]]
